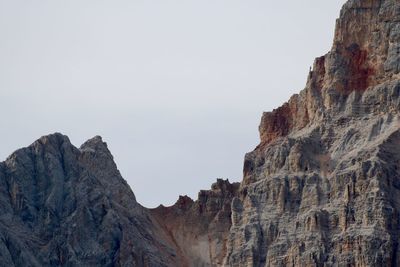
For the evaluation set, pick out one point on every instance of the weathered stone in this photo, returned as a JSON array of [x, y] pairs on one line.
[[64, 206], [321, 189]]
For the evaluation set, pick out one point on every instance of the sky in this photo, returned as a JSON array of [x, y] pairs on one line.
[[175, 88]]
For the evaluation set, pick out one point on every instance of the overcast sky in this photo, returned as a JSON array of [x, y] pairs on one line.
[[176, 88]]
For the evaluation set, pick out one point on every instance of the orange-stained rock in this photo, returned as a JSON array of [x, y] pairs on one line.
[[321, 189]]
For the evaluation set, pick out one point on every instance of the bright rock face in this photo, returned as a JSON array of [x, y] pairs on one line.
[[321, 189]]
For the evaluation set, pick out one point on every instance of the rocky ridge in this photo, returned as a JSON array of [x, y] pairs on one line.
[[321, 189], [68, 206], [64, 206]]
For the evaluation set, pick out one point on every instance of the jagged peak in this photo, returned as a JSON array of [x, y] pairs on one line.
[[221, 186], [58, 142], [51, 142], [94, 140], [184, 202], [96, 146], [95, 143], [224, 185], [52, 138]]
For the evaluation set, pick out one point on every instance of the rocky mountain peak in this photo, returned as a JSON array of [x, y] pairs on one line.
[[52, 143], [96, 155], [53, 139], [321, 189], [96, 143]]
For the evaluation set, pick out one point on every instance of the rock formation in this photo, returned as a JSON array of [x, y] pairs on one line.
[[321, 189], [64, 206], [198, 231]]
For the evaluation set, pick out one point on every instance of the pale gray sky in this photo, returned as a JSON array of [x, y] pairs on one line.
[[176, 88]]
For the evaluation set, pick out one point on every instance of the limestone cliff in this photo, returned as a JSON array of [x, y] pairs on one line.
[[321, 189]]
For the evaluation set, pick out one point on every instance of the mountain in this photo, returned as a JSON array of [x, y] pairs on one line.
[[64, 206], [321, 189]]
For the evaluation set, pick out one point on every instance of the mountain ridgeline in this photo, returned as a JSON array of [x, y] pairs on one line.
[[321, 189]]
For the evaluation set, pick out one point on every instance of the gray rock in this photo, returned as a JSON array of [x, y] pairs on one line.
[[64, 206], [321, 189]]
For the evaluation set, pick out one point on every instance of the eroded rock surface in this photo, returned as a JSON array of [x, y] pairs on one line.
[[64, 206], [198, 230], [321, 189]]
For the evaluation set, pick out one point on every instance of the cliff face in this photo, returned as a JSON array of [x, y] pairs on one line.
[[321, 189], [198, 230], [365, 54]]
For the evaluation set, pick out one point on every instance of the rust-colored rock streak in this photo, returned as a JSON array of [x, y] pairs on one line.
[[321, 189]]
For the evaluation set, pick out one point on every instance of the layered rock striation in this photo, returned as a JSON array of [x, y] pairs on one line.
[[321, 189]]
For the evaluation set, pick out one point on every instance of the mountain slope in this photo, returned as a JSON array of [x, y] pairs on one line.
[[321, 189], [61, 205]]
